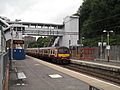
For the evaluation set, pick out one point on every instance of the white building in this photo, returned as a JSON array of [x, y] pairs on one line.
[[71, 29]]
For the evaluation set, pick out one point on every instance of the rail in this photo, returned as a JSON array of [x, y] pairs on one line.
[[105, 74]]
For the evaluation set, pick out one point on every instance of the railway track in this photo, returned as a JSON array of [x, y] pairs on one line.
[[107, 75]]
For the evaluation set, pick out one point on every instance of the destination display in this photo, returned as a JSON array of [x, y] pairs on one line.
[[18, 42]]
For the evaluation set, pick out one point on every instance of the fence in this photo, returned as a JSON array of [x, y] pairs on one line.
[[4, 71], [84, 53], [94, 53], [114, 53], [4, 62]]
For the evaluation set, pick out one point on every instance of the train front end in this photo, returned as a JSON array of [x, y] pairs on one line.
[[64, 55]]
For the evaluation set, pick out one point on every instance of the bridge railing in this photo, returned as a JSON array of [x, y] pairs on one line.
[[47, 32], [43, 31]]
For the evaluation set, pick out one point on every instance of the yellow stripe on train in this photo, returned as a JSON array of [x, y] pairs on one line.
[[63, 55]]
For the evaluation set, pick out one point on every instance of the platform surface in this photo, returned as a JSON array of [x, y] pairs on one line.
[[41, 77], [99, 62]]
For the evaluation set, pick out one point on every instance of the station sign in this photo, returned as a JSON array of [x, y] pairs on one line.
[[18, 42]]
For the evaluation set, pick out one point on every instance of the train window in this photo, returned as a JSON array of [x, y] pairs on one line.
[[50, 51], [77, 50], [45, 51], [63, 50], [53, 52]]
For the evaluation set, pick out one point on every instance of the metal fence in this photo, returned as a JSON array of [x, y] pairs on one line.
[[114, 53], [4, 62], [4, 70], [98, 54]]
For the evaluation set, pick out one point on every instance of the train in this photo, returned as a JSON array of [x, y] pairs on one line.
[[59, 55]]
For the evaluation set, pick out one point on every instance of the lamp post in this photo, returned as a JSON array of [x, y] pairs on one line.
[[11, 50], [108, 44], [81, 41]]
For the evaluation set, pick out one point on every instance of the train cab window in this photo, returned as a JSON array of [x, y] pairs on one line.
[[63, 50]]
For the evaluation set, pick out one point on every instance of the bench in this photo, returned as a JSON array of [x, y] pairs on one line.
[[20, 77]]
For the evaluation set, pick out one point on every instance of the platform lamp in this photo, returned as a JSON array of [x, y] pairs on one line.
[[81, 40], [108, 43]]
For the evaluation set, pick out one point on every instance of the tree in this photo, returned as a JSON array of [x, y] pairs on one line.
[[44, 41], [97, 15], [32, 45]]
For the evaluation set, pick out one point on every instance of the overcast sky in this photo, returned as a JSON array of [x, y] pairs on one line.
[[42, 11]]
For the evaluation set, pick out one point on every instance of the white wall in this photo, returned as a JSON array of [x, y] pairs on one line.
[[71, 26]]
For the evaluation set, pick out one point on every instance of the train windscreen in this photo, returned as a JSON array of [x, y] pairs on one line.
[[63, 50]]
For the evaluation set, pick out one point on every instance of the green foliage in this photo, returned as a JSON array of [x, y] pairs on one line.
[[32, 45], [99, 15], [41, 42]]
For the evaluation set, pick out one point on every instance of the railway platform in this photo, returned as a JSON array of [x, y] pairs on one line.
[[41, 77], [115, 66]]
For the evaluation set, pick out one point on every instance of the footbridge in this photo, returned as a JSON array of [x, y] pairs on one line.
[[40, 29], [66, 33]]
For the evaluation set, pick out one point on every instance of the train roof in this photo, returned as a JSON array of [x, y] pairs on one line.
[[46, 48]]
